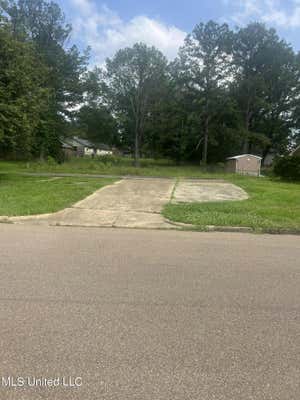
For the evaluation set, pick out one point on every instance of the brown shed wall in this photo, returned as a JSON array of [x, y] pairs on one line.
[[248, 165]]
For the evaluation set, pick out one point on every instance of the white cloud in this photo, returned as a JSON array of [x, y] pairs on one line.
[[246, 9], [281, 13], [103, 30]]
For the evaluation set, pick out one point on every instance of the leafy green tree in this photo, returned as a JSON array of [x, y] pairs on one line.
[[249, 85], [226, 91], [98, 125], [202, 67], [172, 123], [43, 24], [133, 81], [23, 97], [265, 86], [283, 91]]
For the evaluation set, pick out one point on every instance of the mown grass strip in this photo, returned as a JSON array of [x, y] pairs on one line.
[[21, 195]]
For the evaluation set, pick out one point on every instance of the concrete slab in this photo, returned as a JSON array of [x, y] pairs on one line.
[[191, 191], [142, 220], [145, 195], [72, 217]]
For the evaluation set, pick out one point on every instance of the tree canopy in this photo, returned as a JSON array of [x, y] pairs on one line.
[[228, 91]]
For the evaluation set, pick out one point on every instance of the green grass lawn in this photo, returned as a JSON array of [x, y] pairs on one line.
[[272, 206], [21, 195], [114, 166]]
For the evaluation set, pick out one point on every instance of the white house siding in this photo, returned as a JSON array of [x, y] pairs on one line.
[[104, 152]]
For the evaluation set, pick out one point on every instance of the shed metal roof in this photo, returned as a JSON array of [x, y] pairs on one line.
[[243, 155]]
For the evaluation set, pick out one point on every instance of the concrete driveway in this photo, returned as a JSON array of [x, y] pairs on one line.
[[150, 315], [194, 190], [136, 203]]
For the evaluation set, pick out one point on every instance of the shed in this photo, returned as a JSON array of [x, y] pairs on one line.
[[245, 164]]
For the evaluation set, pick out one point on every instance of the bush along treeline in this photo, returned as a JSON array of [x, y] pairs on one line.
[[288, 167], [227, 91]]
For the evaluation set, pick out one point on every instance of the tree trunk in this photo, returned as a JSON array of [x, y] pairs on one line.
[[265, 153], [247, 124], [246, 146], [137, 145], [205, 145], [42, 153]]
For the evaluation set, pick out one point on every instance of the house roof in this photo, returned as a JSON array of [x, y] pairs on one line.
[[67, 143], [243, 155], [84, 142], [102, 146], [75, 141]]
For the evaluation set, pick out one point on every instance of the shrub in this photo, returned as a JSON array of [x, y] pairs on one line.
[[51, 161], [288, 168]]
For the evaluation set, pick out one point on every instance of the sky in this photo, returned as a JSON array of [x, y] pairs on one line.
[[108, 26]]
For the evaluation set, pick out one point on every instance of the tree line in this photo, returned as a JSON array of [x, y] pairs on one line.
[[227, 92]]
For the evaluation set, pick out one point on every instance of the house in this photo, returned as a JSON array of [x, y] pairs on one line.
[[245, 164], [68, 149], [83, 147], [104, 150]]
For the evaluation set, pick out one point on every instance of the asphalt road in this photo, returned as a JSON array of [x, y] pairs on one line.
[[158, 315]]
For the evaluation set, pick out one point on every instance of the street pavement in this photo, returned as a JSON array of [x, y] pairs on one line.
[[149, 315]]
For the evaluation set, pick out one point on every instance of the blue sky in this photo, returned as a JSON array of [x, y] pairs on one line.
[[108, 26]]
